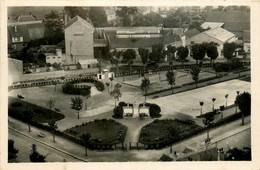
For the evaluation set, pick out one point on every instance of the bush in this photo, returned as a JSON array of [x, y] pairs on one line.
[[99, 85], [124, 104], [118, 112], [225, 67], [154, 110], [16, 104]]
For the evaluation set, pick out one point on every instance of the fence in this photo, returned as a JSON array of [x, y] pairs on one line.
[[52, 81], [165, 68], [136, 146]]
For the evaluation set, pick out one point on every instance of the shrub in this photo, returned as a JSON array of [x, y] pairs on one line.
[[118, 112], [154, 110], [225, 67], [16, 104], [99, 85]]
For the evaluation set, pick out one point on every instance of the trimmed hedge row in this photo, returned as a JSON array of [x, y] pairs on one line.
[[154, 110], [69, 87]]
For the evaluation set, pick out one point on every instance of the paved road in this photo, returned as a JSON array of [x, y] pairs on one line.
[[23, 144]]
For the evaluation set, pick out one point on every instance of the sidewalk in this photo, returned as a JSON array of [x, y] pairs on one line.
[[122, 156]]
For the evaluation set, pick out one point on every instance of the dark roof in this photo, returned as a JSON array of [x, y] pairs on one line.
[[165, 158], [228, 16], [246, 36], [191, 33], [78, 18], [237, 26], [27, 31], [168, 37], [26, 18]]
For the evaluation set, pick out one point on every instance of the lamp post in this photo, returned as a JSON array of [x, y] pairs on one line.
[[235, 100]]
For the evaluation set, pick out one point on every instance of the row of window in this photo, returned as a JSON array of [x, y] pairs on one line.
[[52, 57], [17, 39]]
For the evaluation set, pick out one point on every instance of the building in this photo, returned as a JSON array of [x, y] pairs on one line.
[[57, 58], [25, 29], [217, 35], [78, 40], [15, 70], [87, 64], [246, 41], [235, 22]]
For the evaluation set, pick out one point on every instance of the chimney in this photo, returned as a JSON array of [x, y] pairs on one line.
[[65, 19], [58, 52]]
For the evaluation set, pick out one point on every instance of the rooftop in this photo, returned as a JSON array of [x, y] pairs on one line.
[[78, 18], [219, 33], [211, 25]]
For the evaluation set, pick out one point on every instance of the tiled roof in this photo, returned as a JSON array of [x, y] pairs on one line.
[[25, 18], [228, 16], [219, 33], [211, 25], [191, 33], [78, 18], [169, 36], [27, 31], [237, 26]]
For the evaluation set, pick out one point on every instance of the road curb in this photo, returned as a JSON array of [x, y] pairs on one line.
[[64, 152]]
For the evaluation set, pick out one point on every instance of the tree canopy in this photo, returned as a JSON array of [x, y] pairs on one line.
[[182, 53], [170, 77], [144, 54], [228, 50], [243, 101], [157, 53], [198, 52], [212, 51], [125, 14], [35, 156]]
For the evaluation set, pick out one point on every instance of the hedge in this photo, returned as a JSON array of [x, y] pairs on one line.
[[69, 87], [154, 110], [171, 140]]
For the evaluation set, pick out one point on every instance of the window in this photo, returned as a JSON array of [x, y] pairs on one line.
[[21, 38], [88, 66], [192, 42], [48, 58], [53, 57], [77, 34]]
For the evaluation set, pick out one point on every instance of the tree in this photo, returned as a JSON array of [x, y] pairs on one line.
[[129, 55], [244, 104], [124, 14], [212, 52], [74, 11], [50, 104], [157, 53], [116, 94], [228, 50], [98, 16], [171, 52], [195, 71], [222, 109], [213, 100], [226, 96], [207, 120], [145, 86], [170, 77], [28, 115], [54, 24], [198, 52], [201, 104], [35, 156], [53, 127], [107, 84], [182, 53], [236, 154], [144, 54], [86, 137], [12, 151], [76, 104]]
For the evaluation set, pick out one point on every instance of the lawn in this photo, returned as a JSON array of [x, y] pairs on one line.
[[103, 132], [40, 114], [161, 133]]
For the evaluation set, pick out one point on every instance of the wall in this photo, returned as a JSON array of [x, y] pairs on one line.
[[78, 42], [15, 70]]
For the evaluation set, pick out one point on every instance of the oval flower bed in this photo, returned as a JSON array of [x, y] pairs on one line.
[[161, 133], [104, 133]]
